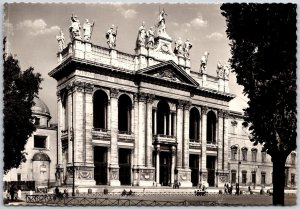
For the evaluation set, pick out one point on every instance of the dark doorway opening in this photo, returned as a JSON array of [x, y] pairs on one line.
[[210, 165], [194, 166], [125, 166], [165, 168], [100, 162]]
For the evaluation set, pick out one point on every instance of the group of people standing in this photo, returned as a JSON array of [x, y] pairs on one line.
[[228, 189]]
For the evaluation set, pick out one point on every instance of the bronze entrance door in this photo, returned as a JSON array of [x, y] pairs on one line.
[[210, 165], [100, 162], [194, 166], [125, 166], [165, 168]]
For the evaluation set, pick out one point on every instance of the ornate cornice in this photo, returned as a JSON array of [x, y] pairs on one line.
[[89, 88]]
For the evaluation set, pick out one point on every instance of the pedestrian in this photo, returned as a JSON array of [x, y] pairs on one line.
[[179, 184], [12, 192], [19, 194]]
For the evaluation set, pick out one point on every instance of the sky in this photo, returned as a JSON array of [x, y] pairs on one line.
[[31, 31]]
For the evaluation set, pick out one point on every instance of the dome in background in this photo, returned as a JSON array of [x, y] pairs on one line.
[[40, 108]]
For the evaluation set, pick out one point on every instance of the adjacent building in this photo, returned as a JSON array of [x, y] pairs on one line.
[[41, 148]]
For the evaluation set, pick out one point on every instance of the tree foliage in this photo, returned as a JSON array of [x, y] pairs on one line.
[[263, 47], [20, 88]]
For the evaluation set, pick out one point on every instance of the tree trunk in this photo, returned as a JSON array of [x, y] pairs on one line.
[[278, 179]]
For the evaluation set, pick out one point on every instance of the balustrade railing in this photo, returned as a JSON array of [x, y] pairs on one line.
[[125, 132], [100, 130]]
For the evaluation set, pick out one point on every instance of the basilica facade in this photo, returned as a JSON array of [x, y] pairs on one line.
[[146, 119]]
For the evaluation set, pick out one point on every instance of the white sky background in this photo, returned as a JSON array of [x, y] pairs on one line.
[[32, 28]]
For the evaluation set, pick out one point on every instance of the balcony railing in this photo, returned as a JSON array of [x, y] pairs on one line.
[[195, 144], [100, 134], [125, 136], [161, 138]]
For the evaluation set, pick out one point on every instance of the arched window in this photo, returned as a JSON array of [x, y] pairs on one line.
[[211, 128], [194, 125], [100, 101], [124, 114], [163, 118], [254, 154], [233, 152], [244, 153]]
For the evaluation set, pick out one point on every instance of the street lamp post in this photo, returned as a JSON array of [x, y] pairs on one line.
[[239, 162]]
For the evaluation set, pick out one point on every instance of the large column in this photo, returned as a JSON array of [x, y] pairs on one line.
[[186, 139], [165, 124], [170, 124], [174, 124], [220, 159], [184, 174], [114, 164], [173, 152], [179, 125], [81, 136], [88, 151], [149, 132], [59, 166], [157, 151], [225, 141], [203, 168], [155, 121], [136, 140], [142, 130]]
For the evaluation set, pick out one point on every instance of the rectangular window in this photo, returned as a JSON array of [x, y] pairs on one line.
[[40, 142], [292, 179], [244, 153], [244, 177], [19, 177], [254, 154], [233, 154], [263, 178], [233, 177], [263, 157], [254, 177], [36, 121]]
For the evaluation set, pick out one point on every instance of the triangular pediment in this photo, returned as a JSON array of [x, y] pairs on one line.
[[168, 71]]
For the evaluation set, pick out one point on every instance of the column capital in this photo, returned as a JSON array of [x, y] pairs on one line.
[[225, 114], [89, 88], [157, 147], [180, 104], [150, 98], [173, 150], [142, 97], [187, 105], [220, 113], [78, 86], [204, 109], [114, 93]]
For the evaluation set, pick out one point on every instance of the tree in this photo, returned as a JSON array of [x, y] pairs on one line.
[[263, 46], [20, 88]]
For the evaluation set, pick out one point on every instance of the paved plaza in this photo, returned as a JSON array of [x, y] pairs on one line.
[[156, 197]]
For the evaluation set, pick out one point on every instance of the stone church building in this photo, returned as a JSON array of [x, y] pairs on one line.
[[148, 119]]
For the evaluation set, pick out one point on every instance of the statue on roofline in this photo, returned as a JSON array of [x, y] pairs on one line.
[[223, 70], [141, 38], [111, 36], [150, 37], [162, 22], [187, 47], [88, 30], [61, 41], [178, 50], [75, 28], [203, 62]]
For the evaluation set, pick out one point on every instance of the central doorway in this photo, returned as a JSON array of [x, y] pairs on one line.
[[100, 162], [125, 166], [194, 166], [210, 165], [165, 168]]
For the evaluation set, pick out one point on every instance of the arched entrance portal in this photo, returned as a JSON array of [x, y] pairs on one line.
[[125, 166], [210, 165], [100, 162], [194, 166], [165, 168]]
